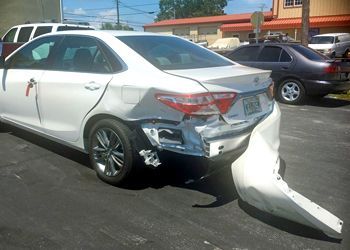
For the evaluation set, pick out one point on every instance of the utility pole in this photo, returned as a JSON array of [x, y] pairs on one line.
[[118, 21], [305, 22], [174, 10]]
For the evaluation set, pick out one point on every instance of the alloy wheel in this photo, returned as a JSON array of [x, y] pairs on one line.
[[108, 152], [290, 91]]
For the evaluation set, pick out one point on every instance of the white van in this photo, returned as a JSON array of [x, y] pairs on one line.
[[26, 32], [332, 44], [20, 34]]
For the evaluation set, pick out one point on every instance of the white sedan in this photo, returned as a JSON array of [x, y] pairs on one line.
[[123, 95]]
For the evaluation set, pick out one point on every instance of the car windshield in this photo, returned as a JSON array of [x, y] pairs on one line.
[[322, 40], [172, 53], [309, 53]]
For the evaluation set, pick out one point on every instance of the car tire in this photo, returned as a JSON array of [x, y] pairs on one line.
[[111, 152], [347, 54], [291, 91]]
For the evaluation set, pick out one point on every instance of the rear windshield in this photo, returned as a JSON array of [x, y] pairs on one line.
[[309, 53], [171, 53], [322, 40]]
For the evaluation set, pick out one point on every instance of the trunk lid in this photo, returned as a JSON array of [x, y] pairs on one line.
[[237, 78], [250, 84]]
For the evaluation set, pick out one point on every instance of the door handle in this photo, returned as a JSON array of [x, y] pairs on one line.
[[92, 86], [285, 68], [32, 81], [30, 85]]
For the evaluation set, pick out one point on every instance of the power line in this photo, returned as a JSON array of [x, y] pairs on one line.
[[107, 17], [100, 22]]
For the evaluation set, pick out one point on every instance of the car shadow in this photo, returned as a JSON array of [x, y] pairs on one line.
[[186, 172], [326, 102]]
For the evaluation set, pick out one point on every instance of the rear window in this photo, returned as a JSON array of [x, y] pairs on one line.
[[172, 53], [42, 30], [322, 40], [24, 34], [309, 53], [10, 36]]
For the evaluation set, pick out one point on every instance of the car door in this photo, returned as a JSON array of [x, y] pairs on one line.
[[245, 55], [73, 86], [21, 76], [276, 59]]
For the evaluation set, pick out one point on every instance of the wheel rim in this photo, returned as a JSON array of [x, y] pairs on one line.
[[108, 152], [290, 91]]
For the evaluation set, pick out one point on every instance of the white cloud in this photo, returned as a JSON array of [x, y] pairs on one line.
[[79, 11], [111, 12]]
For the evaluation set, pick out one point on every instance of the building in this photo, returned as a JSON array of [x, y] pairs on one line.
[[285, 17], [16, 12]]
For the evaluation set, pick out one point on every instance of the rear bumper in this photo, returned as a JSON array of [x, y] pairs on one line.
[[258, 182], [212, 138], [318, 87]]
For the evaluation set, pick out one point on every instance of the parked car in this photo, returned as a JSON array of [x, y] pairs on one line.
[[222, 45], [332, 44], [122, 95], [297, 71], [114, 94], [20, 34]]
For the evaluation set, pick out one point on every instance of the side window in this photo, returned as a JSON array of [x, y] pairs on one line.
[[337, 40], [40, 30], [270, 54], [24, 34], [81, 54], [35, 55], [245, 54], [10, 36], [285, 57]]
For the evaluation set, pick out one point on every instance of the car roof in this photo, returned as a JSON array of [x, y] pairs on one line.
[[51, 24], [268, 44], [331, 34], [110, 32]]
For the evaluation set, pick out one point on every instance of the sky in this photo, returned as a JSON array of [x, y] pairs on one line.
[[136, 13]]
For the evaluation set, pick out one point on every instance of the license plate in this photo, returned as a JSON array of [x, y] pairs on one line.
[[251, 105]]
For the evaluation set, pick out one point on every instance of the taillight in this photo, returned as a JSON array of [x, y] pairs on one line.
[[199, 104], [332, 68]]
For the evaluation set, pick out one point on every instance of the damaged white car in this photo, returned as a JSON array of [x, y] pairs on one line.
[[122, 95]]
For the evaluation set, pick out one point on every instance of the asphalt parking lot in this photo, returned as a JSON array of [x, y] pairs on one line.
[[51, 199]]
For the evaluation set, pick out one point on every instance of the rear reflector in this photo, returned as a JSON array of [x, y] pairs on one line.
[[199, 104]]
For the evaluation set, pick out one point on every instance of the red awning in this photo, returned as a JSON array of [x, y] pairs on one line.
[[243, 17], [290, 23]]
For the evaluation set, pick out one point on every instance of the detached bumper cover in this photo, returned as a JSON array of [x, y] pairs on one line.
[[258, 183]]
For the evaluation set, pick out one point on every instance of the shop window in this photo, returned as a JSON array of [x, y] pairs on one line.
[[293, 3]]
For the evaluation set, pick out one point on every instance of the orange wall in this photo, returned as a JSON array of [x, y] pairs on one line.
[[317, 8]]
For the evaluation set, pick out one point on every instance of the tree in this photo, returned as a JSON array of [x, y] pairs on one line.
[[110, 26], [172, 9], [305, 22]]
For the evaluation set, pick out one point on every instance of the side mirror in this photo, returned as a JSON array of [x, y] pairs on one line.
[[2, 62]]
